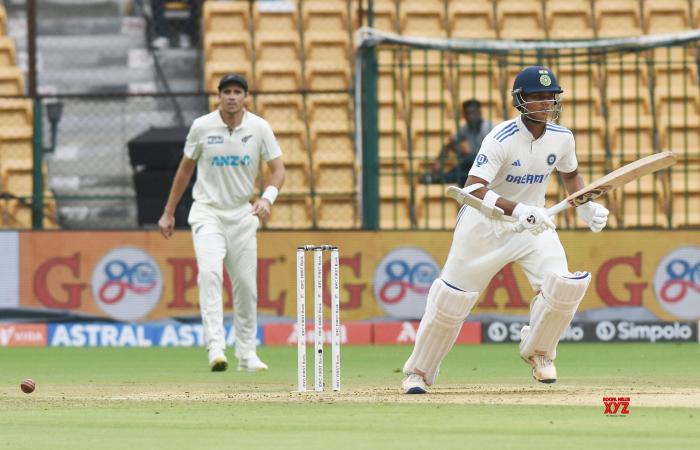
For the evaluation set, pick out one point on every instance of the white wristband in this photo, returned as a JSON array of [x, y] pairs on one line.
[[270, 194]]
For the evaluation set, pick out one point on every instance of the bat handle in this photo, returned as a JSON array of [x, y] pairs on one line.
[[553, 211]]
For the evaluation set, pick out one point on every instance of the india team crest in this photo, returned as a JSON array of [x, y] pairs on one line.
[[545, 80], [481, 159]]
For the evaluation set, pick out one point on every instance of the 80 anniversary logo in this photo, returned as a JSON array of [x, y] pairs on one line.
[[402, 281]]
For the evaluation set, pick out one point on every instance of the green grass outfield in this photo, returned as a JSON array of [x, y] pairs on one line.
[[103, 398]]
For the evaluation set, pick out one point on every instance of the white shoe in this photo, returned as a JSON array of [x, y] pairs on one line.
[[543, 369], [217, 360], [251, 364], [414, 384]]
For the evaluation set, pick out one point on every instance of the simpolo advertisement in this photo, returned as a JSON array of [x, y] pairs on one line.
[[603, 331]]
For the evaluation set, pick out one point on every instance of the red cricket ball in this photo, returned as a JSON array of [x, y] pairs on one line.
[[28, 386]]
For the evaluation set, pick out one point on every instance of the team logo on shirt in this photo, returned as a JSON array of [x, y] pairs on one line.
[[231, 161], [246, 138], [215, 140], [551, 159], [481, 159]]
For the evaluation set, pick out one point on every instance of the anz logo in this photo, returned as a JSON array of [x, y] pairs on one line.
[[231, 161]]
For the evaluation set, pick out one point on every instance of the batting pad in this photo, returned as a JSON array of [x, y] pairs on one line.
[[444, 315], [552, 311]]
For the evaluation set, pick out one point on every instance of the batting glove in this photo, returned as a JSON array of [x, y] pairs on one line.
[[533, 219], [594, 214]]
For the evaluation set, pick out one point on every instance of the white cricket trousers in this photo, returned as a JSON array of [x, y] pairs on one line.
[[481, 247], [227, 238]]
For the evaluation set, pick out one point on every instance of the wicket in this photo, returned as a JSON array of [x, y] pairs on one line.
[[318, 316]]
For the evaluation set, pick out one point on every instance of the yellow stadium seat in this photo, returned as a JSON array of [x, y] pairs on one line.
[[422, 19], [393, 143], [394, 207], [335, 177], [617, 18], [642, 210], [475, 75], [275, 17], [325, 15], [629, 111], [685, 178], [567, 19], [678, 79], [281, 110], [667, 16], [428, 143], [577, 110], [632, 140], [17, 180], [228, 47], [277, 46], [682, 138], [214, 70], [628, 80], [16, 214], [330, 108], [471, 20], [428, 85], [390, 85], [290, 212], [581, 81], [327, 46], [278, 75], [686, 210], [293, 143], [7, 51], [225, 17], [434, 210], [331, 129], [432, 115], [339, 212], [385, 16], [16, 112], [324, 75], [520, 19], [11, 81], [589, 136], [16, 147]]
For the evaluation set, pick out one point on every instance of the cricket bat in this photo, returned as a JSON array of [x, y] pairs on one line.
[[616, 178]]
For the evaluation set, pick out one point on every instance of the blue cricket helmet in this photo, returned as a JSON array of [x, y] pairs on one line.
[[535, 79]]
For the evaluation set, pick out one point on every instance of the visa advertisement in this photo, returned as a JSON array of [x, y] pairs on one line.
[[139, 276]]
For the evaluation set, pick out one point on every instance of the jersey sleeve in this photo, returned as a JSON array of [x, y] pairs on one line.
[[489, 160], [193, 144], [270, 147], [568, 162]]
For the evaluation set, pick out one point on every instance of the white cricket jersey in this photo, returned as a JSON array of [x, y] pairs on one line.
[[517, 166], [228, 160]]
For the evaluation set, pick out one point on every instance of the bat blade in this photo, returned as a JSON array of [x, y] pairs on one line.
[[621, 176]]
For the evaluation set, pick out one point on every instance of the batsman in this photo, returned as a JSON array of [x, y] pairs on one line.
[[509, 177]]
